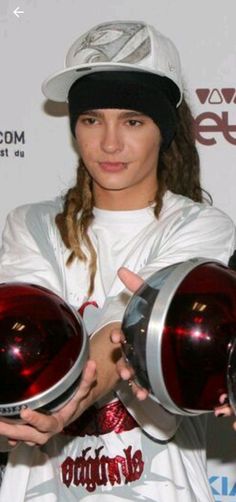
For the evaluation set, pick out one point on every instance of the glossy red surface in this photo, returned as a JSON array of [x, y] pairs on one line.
[[40, 340], [191, 332], [200, 328]]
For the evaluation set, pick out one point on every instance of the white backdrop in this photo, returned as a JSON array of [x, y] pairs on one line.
[[37, 159]]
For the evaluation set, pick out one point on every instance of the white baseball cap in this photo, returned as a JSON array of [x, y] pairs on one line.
[[116, 46]]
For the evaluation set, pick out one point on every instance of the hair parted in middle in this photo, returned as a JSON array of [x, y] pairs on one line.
[[178, 170]]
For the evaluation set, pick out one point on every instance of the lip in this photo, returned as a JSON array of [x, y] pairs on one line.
[[112, 167]]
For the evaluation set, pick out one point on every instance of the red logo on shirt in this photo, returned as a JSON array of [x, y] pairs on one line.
[[91, 472]]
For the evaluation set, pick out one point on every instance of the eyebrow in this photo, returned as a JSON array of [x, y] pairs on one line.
[[123, 114]]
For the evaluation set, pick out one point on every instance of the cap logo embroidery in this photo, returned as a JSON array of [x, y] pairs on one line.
[[120, 43]]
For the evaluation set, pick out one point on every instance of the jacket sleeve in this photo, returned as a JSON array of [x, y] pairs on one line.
[[27, 252]]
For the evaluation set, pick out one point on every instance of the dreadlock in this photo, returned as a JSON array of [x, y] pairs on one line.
[[178, 171], [73, 226], [179, 166]]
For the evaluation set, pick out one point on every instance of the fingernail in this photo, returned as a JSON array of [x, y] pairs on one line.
[[224, 399], [26, 413]]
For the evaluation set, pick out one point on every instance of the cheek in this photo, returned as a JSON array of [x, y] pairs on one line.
[[148, 147], [84, 145], [87, 142]]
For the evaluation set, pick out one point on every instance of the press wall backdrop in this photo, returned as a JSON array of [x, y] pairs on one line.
[[37, 157]]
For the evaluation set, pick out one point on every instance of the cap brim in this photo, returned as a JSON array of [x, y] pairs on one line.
[[58, 85]]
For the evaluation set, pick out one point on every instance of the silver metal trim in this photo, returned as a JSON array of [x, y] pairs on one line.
[[230, 384], [156, 324]]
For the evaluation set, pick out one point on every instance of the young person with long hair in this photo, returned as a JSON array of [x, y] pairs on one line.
[[137, 203]]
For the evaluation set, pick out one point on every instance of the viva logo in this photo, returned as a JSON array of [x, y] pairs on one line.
[[213, 123]]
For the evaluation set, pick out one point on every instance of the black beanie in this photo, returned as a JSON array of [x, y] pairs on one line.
[[153, 95]]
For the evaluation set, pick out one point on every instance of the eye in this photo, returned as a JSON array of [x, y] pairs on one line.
[[134, 122], [88, 120]]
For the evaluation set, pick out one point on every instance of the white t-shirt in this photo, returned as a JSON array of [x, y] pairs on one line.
[[172, 465]]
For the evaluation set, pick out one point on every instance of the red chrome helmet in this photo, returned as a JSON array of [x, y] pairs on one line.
[[180, 330], [43, 347]]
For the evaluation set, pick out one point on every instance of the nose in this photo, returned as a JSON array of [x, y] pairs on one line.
[[111, 141]]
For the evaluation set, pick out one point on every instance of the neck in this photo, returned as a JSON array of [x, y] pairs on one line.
[[123, 200]]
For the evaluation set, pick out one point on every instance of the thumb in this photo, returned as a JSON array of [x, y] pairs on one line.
[[131, 280]]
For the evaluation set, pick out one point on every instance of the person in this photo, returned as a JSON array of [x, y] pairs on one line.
[[137, 206]]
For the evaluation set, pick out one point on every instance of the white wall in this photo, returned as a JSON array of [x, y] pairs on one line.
[[31, 48]]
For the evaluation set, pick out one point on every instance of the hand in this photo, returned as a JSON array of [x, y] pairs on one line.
[[37, 428], [224, 409], [133, 282]]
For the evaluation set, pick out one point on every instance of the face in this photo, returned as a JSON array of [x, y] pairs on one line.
[[120, 150]]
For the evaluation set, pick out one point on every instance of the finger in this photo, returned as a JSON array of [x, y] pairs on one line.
[[13, 442], [40, 421], [87, 381], [30, 443], [141, 393], [223, 411], [55, 422], [23, 432], [125, 371], [223, 399], [70, 411], [131, 280], [117, 336]]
